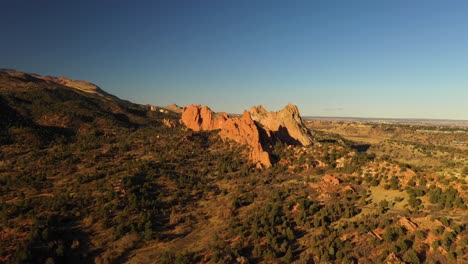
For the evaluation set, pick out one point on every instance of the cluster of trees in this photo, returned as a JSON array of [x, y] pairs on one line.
[[449, 198], [447, 237], [414, 193], [270, 224], [100, 180], [357, 161], [393, 183], [49, 240], [125, 180], [271, 231], [327, 246], [331, 156], [52, 236]]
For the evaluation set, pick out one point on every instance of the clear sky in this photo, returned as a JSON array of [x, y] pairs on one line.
[[401, 59]]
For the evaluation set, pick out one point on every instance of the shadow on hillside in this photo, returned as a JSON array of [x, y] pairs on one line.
[[331, 141], [29, 131], [361, 147]]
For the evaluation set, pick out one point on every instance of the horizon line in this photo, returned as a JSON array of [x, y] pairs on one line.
[[386, 118]]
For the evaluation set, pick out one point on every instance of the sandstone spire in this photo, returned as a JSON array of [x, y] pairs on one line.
[[286, 124], [256, 128]]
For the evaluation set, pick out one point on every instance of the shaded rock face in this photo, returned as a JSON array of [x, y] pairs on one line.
[[257, 128], [286, 124], [244, 131]]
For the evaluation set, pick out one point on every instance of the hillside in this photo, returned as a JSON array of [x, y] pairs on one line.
[[86, 177]]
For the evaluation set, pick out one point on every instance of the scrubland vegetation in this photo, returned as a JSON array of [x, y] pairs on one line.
[[112, 188]]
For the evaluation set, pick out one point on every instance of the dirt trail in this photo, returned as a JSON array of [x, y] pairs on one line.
[[462, 217]]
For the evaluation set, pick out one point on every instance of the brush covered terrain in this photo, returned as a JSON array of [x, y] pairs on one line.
[[89, 178]]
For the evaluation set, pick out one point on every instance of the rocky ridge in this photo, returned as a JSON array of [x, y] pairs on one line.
[[257, 128], [286, 123], [174, 108], [82, 86]]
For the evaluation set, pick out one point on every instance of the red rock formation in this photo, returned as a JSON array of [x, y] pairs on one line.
[[286, 124], [191, 117], [244, 129], [410, 225], [199, 118], [206, 118], [169, 123], [331, 179]]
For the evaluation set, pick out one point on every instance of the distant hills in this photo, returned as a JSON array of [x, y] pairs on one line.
[[44, 107], [62, 107], [442, 122]]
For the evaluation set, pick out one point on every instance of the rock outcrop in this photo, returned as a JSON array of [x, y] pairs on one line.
[[286, 124], [174, 108], [198, 118], [331, 179], [244, 131], [169, 122], [76, 84], [408, 224], [257, 128]]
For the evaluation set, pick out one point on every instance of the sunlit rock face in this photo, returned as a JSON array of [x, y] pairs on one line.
[[258, 129]]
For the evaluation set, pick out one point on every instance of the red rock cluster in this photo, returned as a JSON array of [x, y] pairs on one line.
[[331, 179], [287, 124], [169, 122], [256, 128]]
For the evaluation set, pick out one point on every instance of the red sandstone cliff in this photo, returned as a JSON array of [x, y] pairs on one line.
[[285, 125]]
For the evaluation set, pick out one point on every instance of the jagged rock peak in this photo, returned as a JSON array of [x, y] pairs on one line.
[[197, 117], [174, 108], [256, 128], [286, 123], [293, 109], [258, 110], [242, 129]]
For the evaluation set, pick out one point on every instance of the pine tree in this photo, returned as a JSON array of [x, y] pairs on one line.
[[411, 257], [288, 256]]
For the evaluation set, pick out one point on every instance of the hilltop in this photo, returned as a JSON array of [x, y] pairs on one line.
[[62, 107]]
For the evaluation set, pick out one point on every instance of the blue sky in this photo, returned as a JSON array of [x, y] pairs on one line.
[[399, 59]]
